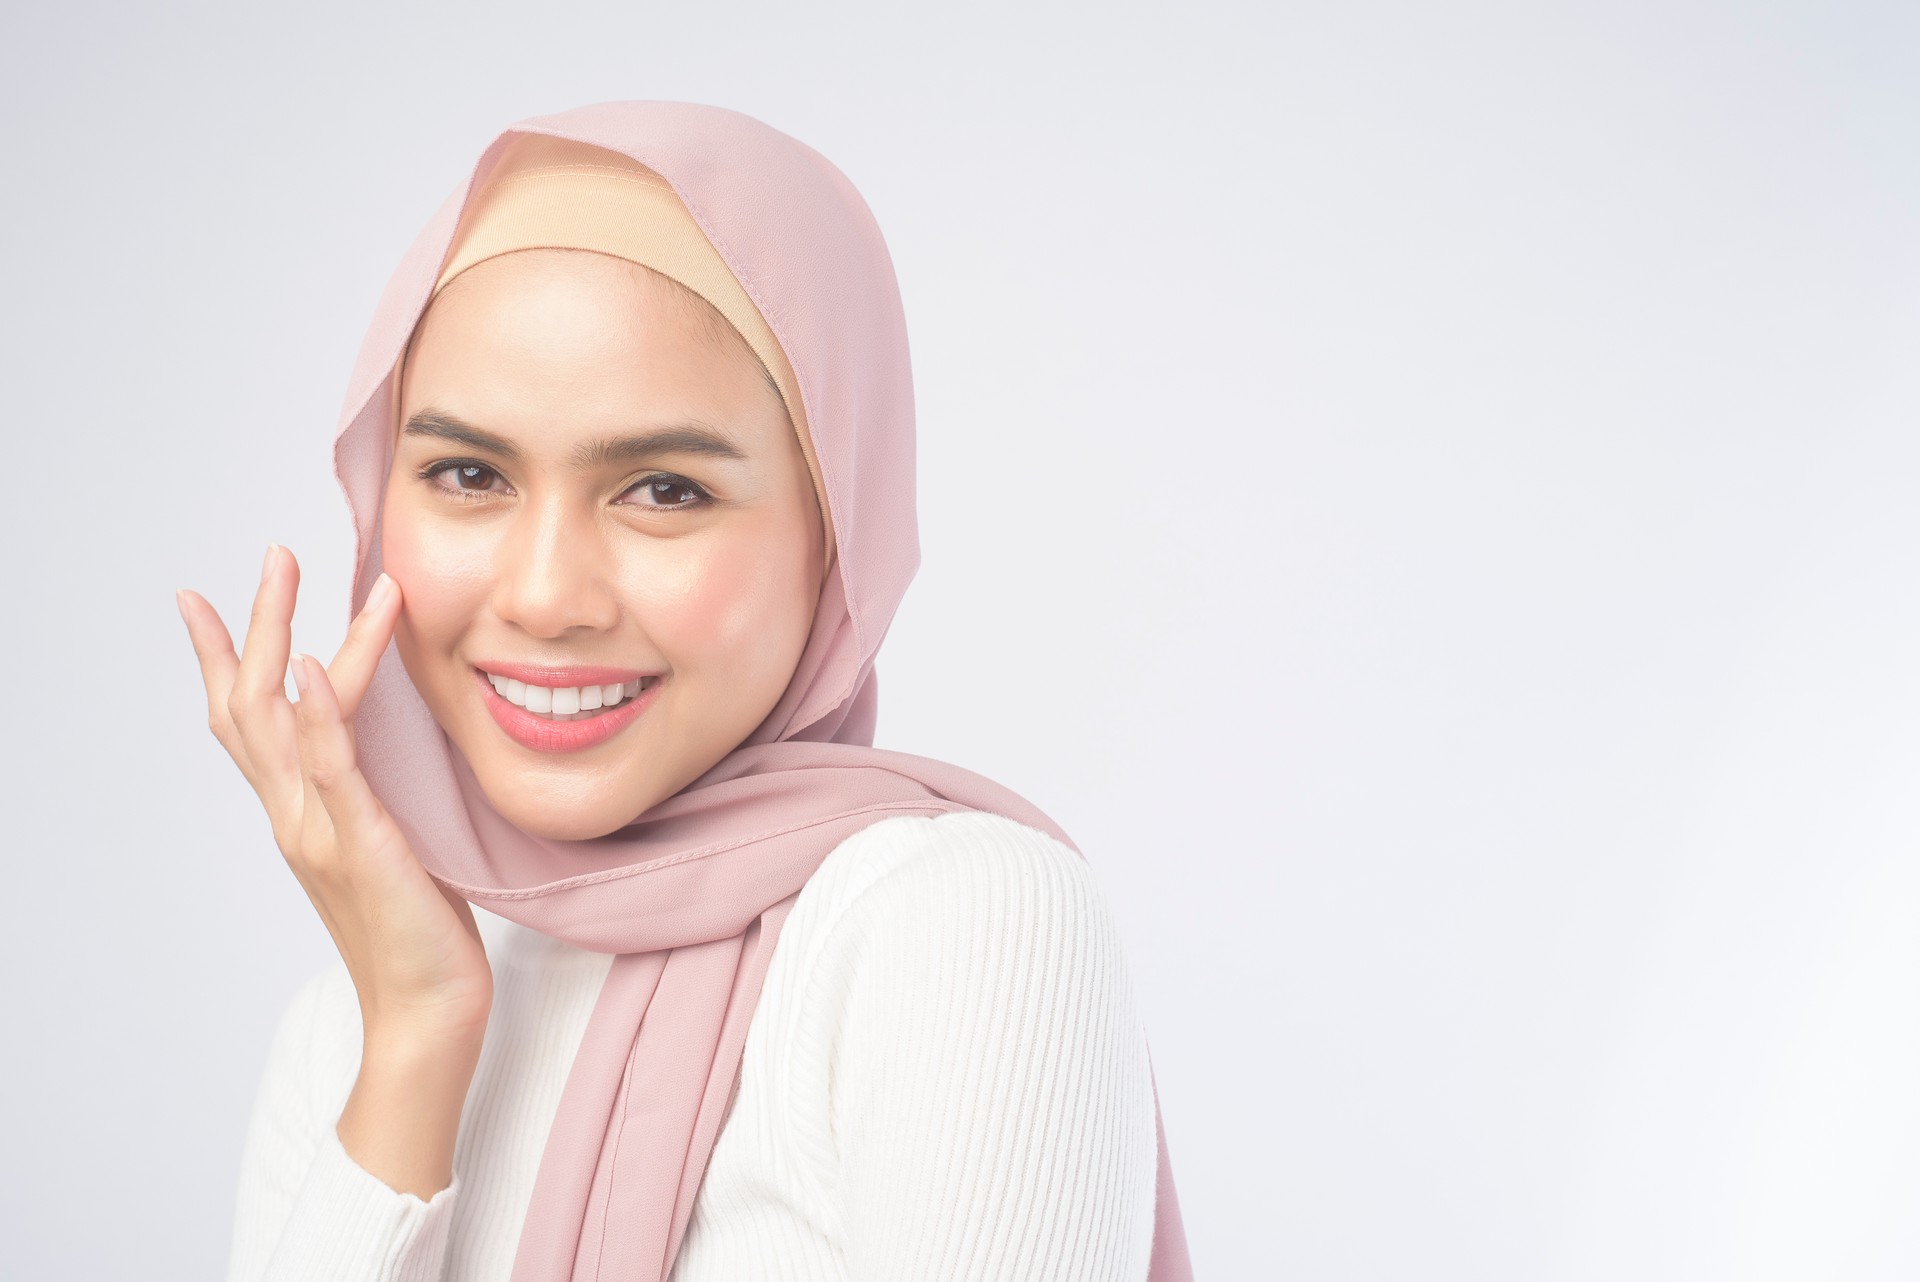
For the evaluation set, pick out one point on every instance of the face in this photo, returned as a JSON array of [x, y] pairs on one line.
[[594, 485]]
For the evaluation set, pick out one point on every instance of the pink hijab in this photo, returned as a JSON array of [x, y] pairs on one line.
[[691, 894]]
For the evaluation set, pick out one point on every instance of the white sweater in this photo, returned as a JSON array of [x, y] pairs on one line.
[[945, 1077]]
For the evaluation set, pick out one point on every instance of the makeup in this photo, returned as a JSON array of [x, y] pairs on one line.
[[542, 734]]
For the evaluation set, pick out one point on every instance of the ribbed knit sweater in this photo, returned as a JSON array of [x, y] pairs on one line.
[[945, 1078]]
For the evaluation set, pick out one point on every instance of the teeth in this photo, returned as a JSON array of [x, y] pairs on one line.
[[567, 703]]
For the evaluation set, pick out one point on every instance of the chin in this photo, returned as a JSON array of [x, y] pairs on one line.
[[566, 831], [564, 823], [588, 807]]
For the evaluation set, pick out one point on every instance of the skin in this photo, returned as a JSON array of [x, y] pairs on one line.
[[709, 577], [553, 349]]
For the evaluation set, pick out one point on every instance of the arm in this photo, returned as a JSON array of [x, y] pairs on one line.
[[992, 1100], [304, 1209]]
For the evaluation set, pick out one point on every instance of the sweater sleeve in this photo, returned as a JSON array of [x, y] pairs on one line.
[[305, 1210], [992, 1099]]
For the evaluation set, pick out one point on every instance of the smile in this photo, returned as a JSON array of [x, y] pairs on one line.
[[564, 718], [565, 703]]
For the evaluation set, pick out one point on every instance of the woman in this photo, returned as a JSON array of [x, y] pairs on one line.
[[629, 452]]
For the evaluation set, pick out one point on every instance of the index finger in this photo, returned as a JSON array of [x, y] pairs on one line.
[[212, 647], [262, 676]]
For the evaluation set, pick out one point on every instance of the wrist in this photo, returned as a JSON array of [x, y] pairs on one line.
[[422, 1036], [402, 1119], [428, 1058]]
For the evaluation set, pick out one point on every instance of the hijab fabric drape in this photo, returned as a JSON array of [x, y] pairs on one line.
[[690, 896]]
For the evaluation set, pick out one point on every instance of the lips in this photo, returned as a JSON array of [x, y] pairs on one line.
[[542, 734]]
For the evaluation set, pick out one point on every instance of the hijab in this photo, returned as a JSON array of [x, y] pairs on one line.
[[691, 894]]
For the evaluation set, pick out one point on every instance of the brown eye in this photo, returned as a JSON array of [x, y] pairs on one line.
[[469, 480], [668, 491]]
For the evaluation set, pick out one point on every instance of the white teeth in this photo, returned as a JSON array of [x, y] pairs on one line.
[[564, 703], [510, 690]]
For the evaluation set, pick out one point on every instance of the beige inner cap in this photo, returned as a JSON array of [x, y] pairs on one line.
[[554, 193]]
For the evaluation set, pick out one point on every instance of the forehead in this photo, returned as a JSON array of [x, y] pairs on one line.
[[526, 332]]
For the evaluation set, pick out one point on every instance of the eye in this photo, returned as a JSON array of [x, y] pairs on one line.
[[464, 471], [664, 489], [472, 482]]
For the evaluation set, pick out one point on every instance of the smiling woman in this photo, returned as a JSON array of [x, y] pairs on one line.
[[651, 964], [688, 555]]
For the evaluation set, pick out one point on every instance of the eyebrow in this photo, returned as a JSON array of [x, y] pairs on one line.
[[689, 437]]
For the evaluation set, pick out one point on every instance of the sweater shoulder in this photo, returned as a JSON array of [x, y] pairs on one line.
[[979, 1054], [919, 871], [945, 1043], [952, 898]]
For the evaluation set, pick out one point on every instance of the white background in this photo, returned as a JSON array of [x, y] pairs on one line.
[[1423, 493]]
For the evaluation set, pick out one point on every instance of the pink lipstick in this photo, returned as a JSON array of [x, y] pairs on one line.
[[542, 734]]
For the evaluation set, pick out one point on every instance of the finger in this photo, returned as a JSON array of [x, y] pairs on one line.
[[263, 658], [351, 671], [327, 761], [263, 716], [213, 648]]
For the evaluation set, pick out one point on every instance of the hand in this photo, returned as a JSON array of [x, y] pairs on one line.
[[411, 945]]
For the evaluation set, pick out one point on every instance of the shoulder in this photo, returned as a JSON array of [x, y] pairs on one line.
[[946, 1070], [980, 1051], [967, 852], [950, 912], [914, 878]]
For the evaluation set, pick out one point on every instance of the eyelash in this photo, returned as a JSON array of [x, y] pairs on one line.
[[433, 470]]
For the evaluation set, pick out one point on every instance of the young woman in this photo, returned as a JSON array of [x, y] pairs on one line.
[[630, 457]]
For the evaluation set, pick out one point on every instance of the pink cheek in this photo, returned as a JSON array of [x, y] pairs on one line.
[[442, 576], [728, 602]]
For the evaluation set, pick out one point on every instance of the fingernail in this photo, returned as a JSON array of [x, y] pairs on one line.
[[299, 666], [382, 592], [180, 600], [266, 566]]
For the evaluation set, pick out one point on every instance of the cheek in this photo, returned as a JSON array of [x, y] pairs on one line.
[[442, 575], [738, 603]]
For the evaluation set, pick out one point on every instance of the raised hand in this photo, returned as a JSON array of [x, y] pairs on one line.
[[411, 947]]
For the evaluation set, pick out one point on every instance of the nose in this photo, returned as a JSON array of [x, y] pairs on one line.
[[553, 572]]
